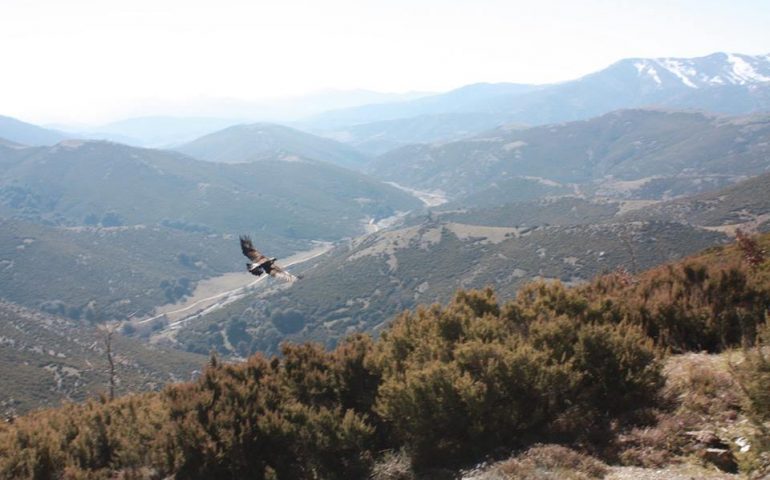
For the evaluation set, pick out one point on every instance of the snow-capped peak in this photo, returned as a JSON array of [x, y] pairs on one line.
[[716, 69], [744, 72]]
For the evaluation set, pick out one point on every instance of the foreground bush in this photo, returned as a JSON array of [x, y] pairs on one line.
[[97, 437], [463, 380]]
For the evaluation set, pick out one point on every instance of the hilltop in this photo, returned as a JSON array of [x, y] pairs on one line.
[[261, 141], [118, 230]]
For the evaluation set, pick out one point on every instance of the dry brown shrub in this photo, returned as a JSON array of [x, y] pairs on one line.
[[547, 462], [393, 466], [703, 384]]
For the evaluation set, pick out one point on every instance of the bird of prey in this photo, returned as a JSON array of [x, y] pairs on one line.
[[261, 264]]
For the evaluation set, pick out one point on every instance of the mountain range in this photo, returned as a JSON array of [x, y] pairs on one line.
[[627, 153], [720, 83], [102, 230], [22, 133]]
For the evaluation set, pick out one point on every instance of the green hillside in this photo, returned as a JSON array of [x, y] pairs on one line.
[[88, 183], [45, 360], [103, 273], [566, 210], [262, 141], [746, 203], [628, 154]]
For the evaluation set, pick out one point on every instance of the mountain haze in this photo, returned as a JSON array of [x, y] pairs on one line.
[[720, 82], [28, 134], [159, 131]]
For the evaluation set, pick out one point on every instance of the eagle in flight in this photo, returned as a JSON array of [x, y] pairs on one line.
[[261, 264]]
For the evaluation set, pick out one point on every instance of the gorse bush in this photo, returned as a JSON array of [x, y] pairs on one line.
[[709, 302], [97, 437], [293, 418], [445, 384], [462, 380]]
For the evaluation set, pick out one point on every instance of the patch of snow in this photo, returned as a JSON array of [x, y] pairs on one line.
[[649, 70], [654, 74], [743, 72], [681, 71]]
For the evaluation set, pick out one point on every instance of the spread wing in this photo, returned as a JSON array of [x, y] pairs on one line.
[[248, 249], [280, 273]]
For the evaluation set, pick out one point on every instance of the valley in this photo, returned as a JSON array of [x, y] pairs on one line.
[[214, 293]]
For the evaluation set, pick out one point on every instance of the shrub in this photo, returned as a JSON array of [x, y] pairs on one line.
[[393, 466], [547, 462], [462, 380]]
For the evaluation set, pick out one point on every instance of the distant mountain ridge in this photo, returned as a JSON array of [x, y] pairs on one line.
[[24, 133], [720, 82], [87, 182], [715, 69], [158, 131], [639, 153], [259, 141]]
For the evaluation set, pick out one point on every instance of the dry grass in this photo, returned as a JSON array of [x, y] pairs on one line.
[[545, 462], [393, 466], [701, 395]]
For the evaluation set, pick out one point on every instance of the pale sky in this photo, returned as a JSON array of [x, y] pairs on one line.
[[96, 60]]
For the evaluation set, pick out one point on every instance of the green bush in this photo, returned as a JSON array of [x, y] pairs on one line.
[[462, 380]]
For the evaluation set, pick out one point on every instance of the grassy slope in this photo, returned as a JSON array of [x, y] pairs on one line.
[[117, 270], [46, 359], [745, 202], [291, 199]]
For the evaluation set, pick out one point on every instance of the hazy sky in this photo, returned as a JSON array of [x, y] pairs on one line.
[[95, 60]]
